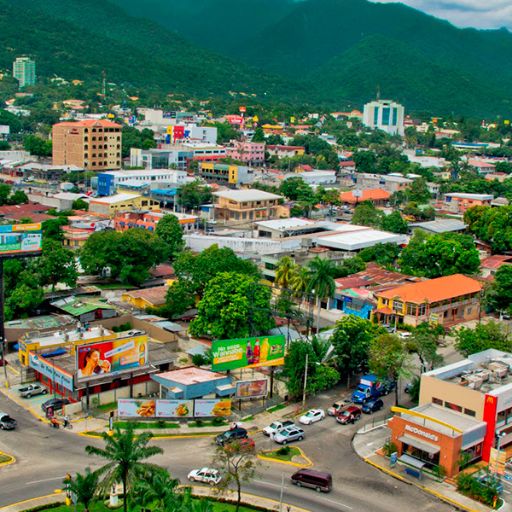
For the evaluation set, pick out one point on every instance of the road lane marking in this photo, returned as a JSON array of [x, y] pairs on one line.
[[45, 480]]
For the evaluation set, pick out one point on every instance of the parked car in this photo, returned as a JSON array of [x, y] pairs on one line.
[[231, 435], [55, 403], [404, 334], [32, 390], [314, 479], [349, 415], [387, 387], [205, 475], [491, 481], [372, 406], [6, 422], [338, 406], [312, 416], [288, 435], [277, 425]]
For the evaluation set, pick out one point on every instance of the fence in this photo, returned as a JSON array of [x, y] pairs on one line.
[[374, 423]]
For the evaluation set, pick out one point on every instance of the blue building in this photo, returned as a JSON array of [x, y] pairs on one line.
[[192, 382]]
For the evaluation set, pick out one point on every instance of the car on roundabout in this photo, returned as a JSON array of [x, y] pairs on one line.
[[312, 416]]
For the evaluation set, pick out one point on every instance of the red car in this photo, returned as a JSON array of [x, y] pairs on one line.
[[350, 415]]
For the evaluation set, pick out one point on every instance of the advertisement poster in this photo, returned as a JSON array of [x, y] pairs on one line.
[[211, 408], [251, 388], [20, 238], [48, 369], [129, 408], [174, 408], [111, 357], [248, 352]]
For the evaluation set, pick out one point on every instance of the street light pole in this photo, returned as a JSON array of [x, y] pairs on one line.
[[305, 382], [281, 493]]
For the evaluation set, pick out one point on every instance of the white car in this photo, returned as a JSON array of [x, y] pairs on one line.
[[312, 416], [276, 426], [205, 475], [404, 335]]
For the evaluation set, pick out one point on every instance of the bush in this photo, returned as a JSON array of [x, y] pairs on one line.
[[480, 491], [284, 451], [123, 327], [199, 360], [439, 471], [389, 448], [217, 422]]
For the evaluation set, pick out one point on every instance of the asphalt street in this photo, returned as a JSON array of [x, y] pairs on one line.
[[45, 455]]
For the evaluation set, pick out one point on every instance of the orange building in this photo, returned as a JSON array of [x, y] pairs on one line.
[[149, 220], [92, 145], [376, 196]]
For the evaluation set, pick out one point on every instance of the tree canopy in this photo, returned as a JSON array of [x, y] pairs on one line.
[[170, 231], [482, 337]]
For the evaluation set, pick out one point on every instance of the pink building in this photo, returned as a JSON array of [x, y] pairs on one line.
[[252, 153]]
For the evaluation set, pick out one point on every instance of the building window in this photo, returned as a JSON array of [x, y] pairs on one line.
[[453, 407], [398, 305], [470, 412], [437, 401], [422, 309], [412, 309]]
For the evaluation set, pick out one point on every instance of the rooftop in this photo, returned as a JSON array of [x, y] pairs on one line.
[[440, 225], [155, 295], [78, 306], [434, 290], [140, 173], [190, 375], [286, 224], [90, 122], [246, 195], [370, 194], [67, 335], [496, 261], [117, 198], [477, 197], [358, 239]]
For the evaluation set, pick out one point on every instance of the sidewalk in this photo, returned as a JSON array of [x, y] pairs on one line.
[[365, 445]]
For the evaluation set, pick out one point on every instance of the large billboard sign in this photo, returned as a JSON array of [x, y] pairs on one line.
[[20, 239], [111, 357], [48, 369], [151, 408], [251, 388], [248, 352]]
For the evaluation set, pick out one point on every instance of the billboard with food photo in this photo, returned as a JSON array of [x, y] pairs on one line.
[[212, 408], [129, 408], [251, 388], [248, 352], [174, 408], [111, 357]]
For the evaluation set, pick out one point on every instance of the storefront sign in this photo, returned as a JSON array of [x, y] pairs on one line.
[[251, 388], [56, 375], [248, 352], [423, 433], [111, 357]]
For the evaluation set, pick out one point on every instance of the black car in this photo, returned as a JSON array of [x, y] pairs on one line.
[[231, 435], [6, 422], [372, 406], [387, 387], [55, 403]]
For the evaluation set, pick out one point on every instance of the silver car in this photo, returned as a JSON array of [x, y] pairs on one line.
[[288, 435], [32, 390]]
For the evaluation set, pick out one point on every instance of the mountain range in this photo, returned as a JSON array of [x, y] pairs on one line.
[[336, 52]]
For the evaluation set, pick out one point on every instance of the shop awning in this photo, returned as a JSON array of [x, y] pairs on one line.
[[421, 445]]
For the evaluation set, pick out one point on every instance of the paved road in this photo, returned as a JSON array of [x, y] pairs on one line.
[[45, 455]]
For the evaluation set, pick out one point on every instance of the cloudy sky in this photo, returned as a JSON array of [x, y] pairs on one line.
[[467, 13]]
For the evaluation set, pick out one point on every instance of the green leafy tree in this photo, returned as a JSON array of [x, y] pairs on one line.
[[192, 195], [389, 358], [502, 289], [382, 254], [321, 283], [351, 341], [80, 204], [259, 135], [237, 463], [125, 453], [5, 192], [492, 225], [178, 299], [19, 197], [482, 337], [285, 271], [425, 342], [394, 223], [84, 487], [56, 265], [348, 267], [365, 214], [52, 228], [170, 231], [133, 138], [23, 299], [418, 191], [299, 282], [296, 189], [225, 132], [37, 146], [158, 490], [439, 255], [366, 161], [233, 306]]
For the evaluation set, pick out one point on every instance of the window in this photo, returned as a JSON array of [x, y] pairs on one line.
[[437, 401], [412, 309], [470, 412], [398, 305], [453, 407], [422, 309], [386, 116]]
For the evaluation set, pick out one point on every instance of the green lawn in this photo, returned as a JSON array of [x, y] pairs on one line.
[[287, 455], [148, 425], [107, 407], [277, 407], [4, 458]]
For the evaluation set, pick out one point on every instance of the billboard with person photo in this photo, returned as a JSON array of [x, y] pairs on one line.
[[111, 357]]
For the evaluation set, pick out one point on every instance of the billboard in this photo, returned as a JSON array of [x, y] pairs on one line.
[[18, 239], [248, 352], [151, 408], [48, 369], [214, 407], [251, 388], [111, 357]]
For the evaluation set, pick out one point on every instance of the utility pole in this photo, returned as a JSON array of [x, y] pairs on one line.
[[3, 342], [305, 382]]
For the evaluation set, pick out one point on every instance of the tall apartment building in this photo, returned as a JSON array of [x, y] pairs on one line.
[[24, 70], [91, 144], [384, 115]]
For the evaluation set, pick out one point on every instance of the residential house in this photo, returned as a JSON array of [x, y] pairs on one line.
[[377, 196], [85, 309], [122, 202], [226, 174], [251, 153], [146, 297], [149, 220], [388, 182], [457, 202]]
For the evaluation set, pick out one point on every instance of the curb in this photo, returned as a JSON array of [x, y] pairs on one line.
[[11, 460], [166, 437], [23, 502], [308, 464]]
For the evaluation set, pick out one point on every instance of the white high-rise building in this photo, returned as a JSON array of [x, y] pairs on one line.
[[24, 70], [385, 115]]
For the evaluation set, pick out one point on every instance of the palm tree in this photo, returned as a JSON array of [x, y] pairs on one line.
[[285, 272], [299, 281], [125, 453], [158, 488], [321, 283], [84, 487]]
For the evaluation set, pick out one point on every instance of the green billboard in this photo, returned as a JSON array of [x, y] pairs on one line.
[[248, 352]]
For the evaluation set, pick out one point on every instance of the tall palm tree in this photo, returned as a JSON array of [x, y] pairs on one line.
[[285, 272], [84, 487], [125, 453], [158, 488], [299, 282], [321, 283]]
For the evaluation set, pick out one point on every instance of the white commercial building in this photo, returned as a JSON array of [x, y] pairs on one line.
[[315, 177], [384, 115]]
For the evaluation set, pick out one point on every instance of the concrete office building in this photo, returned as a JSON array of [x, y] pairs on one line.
[[24, 70], [384, 115], [92, 145]]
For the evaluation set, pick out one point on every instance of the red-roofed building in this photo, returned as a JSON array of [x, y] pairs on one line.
[[34, 211], [282, 151], [377, 196], [491, 264], [446, 300], [92, 145]]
